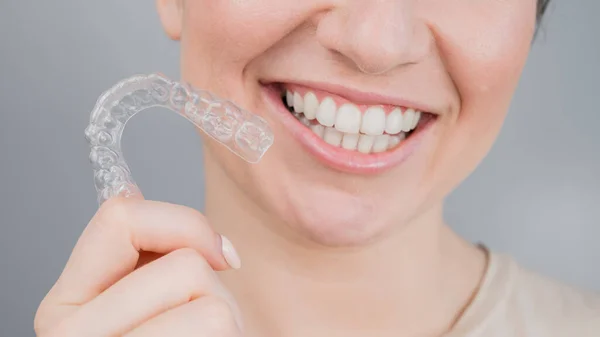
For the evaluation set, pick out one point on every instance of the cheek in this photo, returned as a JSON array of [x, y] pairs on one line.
[[221, 37], [484, 55]]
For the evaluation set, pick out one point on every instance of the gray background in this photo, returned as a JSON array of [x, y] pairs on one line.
[[535, 196]]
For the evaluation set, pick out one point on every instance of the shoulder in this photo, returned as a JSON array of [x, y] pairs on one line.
[[542, 306], [517, 302]]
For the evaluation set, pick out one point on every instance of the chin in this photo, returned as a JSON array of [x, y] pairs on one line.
[[341, 232], [333, 218]]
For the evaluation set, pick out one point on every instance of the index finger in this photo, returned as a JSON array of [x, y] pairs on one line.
[[109, 247]]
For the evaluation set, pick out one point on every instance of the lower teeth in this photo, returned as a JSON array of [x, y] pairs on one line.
[[349, 141]]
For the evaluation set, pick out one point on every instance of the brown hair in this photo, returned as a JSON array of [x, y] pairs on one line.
[[541, 8]]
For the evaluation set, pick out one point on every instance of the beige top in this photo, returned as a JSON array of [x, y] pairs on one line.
[[515, 302]]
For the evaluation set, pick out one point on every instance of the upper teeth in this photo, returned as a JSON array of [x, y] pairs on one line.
[[348, 117]]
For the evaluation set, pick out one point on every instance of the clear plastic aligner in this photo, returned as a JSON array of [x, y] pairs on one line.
[[245, 134]]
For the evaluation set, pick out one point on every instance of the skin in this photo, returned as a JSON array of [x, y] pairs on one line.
[[353, 254]]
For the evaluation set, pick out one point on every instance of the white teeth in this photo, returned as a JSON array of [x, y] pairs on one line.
[[409, 116], [326, 112], [373, 122], [289, 98], [381, 143], [332, 136], [350, 141], [416, 120], [348, 127], [394, 122], [298, 103], [395, 140], [357, 142], [311, 104], [304, 121], [365, 143], [318, 129], [348, 118]]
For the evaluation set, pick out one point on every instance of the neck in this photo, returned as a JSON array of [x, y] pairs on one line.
[[415, 281]]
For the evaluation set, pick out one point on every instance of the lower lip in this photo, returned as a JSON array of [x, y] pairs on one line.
[[349, 161]]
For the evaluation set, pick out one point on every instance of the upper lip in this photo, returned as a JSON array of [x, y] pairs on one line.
[[360, 97]]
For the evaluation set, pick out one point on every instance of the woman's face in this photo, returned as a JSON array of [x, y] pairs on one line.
[[361, 73]]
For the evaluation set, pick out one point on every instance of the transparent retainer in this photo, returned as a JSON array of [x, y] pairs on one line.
[[242, 132]]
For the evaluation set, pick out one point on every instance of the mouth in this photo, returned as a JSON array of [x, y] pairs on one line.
[[348, 135]]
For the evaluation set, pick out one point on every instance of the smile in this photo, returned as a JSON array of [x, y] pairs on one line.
[[366, 129], [346, 135]]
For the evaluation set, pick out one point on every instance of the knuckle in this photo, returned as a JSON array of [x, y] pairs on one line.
[[114, 216], [204, 230], [190, 263], [186, 257], [191, 272], [62, 329], [114, 210], [217, 307], [38, 322], [41, 320], [43, 328], [218, 317], [194, 213]]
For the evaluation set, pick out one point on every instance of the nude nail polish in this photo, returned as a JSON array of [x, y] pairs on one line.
[[230, 254]]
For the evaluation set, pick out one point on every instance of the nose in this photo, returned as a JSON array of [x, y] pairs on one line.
[[375, 35]]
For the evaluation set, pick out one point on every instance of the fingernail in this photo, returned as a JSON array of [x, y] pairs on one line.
[[230, 254]]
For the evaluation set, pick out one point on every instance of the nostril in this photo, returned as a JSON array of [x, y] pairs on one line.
[[372, 70], [374, 37]]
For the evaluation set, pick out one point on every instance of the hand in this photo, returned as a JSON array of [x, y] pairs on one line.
[[143, 268]]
